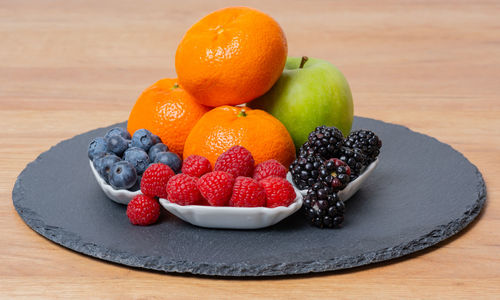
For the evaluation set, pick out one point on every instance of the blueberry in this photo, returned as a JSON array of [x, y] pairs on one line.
[[117, 144], [137, 185], [160, 147], [142, 138], [101, 155], [96, 146], [156, 139], [103, 165], [170, 159], [138, 158], [122, 175], [118, 131]]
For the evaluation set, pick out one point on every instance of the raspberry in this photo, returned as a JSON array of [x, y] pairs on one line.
[[268, 168], [203, 202], [154, 180], [143, 210], [181, 189], [196, 166], [247, 192], [216, 187], [279, 191], [237, 161]]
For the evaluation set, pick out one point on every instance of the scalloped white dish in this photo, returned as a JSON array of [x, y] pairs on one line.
[[351, 188], [231, 217], [119, 196], [226, 217], [211, 216]]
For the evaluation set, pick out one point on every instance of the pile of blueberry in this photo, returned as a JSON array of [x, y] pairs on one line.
[[120, 159]]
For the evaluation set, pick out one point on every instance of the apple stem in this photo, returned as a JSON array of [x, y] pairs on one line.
[[303, 61], [242, 113]]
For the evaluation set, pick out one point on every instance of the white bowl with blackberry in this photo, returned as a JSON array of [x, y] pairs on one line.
[[351, 188], [343, 163], [330, 169], [118, 160]]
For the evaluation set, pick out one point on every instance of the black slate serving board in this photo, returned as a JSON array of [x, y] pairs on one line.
[[421, 193]]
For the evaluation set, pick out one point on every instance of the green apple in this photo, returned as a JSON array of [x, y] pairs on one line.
[[310, 92]]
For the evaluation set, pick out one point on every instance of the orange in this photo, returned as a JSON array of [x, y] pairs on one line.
[[231, 56], [168, 111], [226, 126]]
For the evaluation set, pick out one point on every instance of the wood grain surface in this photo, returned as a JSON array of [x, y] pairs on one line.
[[67, 67]]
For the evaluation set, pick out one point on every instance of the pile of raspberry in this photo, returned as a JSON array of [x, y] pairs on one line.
[[235, 181]]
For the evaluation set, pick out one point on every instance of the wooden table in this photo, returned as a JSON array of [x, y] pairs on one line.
[[68, 67]]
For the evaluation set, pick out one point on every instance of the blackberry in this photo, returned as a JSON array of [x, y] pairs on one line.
[[335, 173], [306, 149], [304, 170], [355, 159], [326, 141], [323, 207], [366, 141]]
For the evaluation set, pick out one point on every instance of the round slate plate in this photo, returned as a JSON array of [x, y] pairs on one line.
[[422, 192]]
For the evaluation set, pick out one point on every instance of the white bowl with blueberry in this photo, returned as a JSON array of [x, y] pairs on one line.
[[118, 160]]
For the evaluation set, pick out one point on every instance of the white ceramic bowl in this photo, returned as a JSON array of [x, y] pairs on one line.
[[232, 217], [211, 216], [119, 196], [352, 187]]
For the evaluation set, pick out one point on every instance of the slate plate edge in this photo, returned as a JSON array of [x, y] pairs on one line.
[[73, 242]]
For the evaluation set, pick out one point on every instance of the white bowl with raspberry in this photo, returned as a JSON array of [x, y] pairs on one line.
[[351, 188], [228, 217], [119, 196]]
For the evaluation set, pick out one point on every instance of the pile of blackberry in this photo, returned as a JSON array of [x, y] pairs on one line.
[[326, 163]]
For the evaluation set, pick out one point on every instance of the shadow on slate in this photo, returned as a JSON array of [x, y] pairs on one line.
[[421, 193]]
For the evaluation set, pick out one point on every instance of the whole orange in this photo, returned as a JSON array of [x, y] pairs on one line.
[[226, 126], [231, 56], [168, 111]]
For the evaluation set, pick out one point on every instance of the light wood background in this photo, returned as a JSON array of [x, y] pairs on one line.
[[67, 67]]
